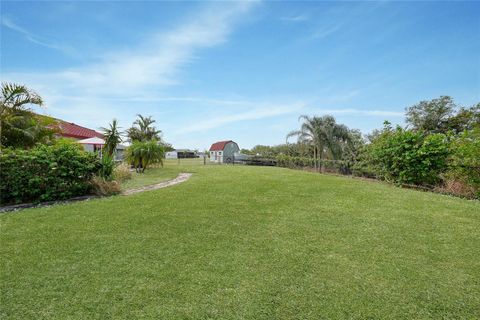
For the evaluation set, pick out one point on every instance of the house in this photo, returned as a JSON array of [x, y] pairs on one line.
[[75, 131], [90, 139], [96, 144], [223, 151]]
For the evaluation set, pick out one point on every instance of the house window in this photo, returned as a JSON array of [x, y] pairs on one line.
[[219, 153]]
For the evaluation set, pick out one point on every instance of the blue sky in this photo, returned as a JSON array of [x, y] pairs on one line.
[[209, 71]]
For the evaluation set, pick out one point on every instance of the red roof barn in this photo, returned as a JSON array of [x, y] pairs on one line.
[[224, 151]]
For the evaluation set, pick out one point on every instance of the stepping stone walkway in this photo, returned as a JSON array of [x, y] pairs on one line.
[[182, 177]]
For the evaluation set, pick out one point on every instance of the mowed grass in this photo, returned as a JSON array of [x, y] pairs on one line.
[[237, 242]]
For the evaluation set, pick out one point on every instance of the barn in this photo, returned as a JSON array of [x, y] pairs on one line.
[[223, 151]]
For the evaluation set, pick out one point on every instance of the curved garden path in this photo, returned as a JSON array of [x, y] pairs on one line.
[[182, 177]]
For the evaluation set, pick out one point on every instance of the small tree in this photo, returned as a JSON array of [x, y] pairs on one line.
[[143, 153], [112, 137]]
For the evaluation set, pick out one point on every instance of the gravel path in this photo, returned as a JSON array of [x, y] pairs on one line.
[[182, 177]]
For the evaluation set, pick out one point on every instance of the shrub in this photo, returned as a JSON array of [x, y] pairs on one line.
[[107, 167], [122, 172], [465, 161], [105, 187], [46, 173], [409, 157]]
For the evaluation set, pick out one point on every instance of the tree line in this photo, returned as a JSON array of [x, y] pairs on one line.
[[439, 148]]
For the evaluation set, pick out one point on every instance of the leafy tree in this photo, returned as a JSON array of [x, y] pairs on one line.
[[142, 130], [18, 125], [431, 116], [465, 119], [143, 153], [112, 137], [352, 149]]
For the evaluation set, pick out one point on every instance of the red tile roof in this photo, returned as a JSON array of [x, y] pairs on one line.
[[73, 130], [220, 145]]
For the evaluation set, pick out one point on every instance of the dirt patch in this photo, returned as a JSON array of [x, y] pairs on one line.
[[182, 177]]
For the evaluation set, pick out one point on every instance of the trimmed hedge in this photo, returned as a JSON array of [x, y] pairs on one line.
[[46, 173]]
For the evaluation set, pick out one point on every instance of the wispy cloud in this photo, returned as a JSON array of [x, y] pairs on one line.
[[256, 113], [152, 64], [351, 111], [39, 40], [297, 18]]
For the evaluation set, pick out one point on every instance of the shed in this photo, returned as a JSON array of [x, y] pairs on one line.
[[223, 151]]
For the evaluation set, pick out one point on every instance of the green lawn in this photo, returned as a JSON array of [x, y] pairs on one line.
[[239, 242]]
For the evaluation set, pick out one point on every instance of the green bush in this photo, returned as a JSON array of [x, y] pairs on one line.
[[46, 173], [107, 167], [465, 160], [409, 157]]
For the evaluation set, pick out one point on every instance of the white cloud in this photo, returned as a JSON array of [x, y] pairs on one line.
[[256, 113], [8, 23]]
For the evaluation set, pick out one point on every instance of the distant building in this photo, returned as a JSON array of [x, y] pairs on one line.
[[223, 151], [171, 155], [180, 154]]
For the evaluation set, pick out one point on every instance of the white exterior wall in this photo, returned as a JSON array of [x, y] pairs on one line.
[[216, 156], [88, 147], [171, 155]]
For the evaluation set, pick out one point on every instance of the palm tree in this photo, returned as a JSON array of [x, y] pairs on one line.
[[142, 130], [142, 153], [327, 137], [14, 101], [112, 137]]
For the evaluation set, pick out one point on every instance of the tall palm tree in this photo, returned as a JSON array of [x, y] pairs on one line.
[[327, 137], [142, 130], [308, 134], [112, 137], [14, 102]]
